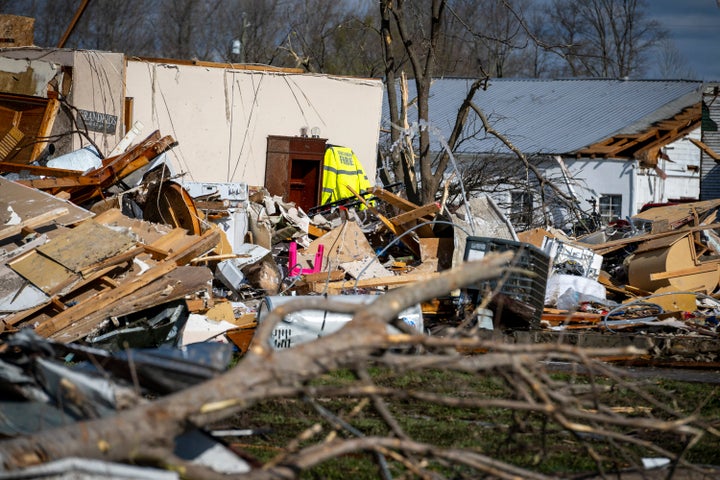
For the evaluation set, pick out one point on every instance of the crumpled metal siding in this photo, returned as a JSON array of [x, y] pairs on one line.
[[710, 169]]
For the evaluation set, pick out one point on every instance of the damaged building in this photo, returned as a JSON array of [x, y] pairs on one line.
[[613, 146], [155, 211], [232, 160]]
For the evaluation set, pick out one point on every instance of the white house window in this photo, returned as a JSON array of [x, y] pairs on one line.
[[521, 208], [610, 207]]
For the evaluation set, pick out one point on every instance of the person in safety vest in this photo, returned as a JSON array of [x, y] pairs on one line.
[[341, 169]]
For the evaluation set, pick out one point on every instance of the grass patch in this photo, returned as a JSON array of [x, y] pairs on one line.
[[523, 438]]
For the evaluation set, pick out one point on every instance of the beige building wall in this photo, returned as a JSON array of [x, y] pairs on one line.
[[222, 117], [91, 81]]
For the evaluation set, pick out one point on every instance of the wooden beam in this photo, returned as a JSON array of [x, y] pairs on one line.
[[705, 148], [427, 210], [71, 27], [711, 267], [394, 281], [397, 230], [394, 200]]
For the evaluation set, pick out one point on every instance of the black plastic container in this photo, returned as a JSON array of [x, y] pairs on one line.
[[520, 298]]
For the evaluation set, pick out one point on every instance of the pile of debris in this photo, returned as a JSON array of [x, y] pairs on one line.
[[91, 254], [652, 283], [125, 270]]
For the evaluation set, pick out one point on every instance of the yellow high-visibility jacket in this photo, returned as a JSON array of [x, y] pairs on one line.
[[341, 168]]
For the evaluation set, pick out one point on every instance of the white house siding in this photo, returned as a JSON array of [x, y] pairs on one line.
[[222, 117], [593, 178]]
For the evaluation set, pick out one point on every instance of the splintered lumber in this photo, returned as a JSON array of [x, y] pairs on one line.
[[102, 300], [98, 307], [394, 281], [390, 226], [397, 230], [418, 213], [425, 213], [88, 185], [55, 301], [178, 283]]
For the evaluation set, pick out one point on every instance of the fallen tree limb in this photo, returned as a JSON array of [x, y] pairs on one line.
[[130, 436]]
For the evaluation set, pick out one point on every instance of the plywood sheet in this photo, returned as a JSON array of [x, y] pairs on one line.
[[46, 274], [146, 232], [26, 203], [85, 245], [345, 243]]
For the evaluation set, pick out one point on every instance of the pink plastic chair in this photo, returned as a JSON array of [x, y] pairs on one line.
[[293, 266]]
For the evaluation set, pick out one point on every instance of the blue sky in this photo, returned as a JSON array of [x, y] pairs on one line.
[[694, 27]]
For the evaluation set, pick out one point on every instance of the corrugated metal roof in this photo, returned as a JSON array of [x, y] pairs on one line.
[[557, 116]]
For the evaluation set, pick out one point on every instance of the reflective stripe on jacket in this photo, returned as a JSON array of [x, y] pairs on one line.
[[341, 168]]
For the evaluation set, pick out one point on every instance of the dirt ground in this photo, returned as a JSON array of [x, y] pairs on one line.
[[705, 473]]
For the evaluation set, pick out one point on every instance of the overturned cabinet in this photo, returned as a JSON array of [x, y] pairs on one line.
[[294, 168]]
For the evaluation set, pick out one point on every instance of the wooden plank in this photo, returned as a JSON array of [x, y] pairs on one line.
[[45, 130], [175, 240], [397, 230], [390, 226], [202, 244], [38, 170], [685, 271], [333, 276], [393, 199], [705, 148], [394, 281], [410, 219], [177, 284], [19, 317], [565, 318], [102, 300], [426, 210], [33, 222], [115, 260]]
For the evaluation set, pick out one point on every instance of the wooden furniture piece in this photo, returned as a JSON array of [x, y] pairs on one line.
[[25, 125], [293, 169]]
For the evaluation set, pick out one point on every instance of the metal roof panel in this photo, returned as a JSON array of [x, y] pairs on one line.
[[556, 116]]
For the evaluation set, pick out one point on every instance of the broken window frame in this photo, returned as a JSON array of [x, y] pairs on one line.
[[521, 207], [610, 207]]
